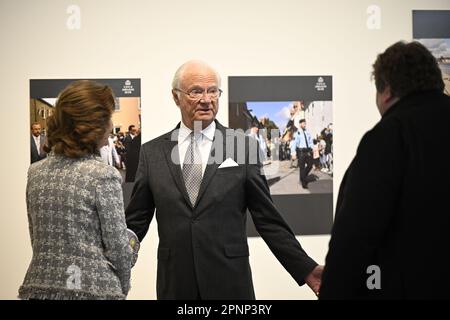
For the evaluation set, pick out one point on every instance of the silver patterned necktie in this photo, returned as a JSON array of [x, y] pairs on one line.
[[192, 170]]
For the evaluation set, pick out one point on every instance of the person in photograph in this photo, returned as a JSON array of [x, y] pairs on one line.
[[120, 149], [254, 133], [132, 133], [391, 222], [109, 154], [75, 207], [299, 113], [316, 154], [201, 205], [302, 149], [132, 145], [327, 134], [290, 127], [288, 137], [37, 143], [322, 155], [121, 137]]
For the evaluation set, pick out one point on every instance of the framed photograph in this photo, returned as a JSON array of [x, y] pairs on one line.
[[432, 29], [291, 117], [125, 142]]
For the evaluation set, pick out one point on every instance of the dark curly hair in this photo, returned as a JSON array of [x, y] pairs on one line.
[[82, 113], [406, 68]]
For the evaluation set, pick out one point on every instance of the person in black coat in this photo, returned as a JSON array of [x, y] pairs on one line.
[[390, 236]]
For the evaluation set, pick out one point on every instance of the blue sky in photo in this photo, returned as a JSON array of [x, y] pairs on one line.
[[277, 111]]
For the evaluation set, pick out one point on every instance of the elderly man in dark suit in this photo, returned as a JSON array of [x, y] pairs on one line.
[[37, 142], [201, 188], [390, 235]]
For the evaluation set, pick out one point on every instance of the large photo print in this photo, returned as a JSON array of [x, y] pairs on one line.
[[432, 29], [291, 118], [124, 145]]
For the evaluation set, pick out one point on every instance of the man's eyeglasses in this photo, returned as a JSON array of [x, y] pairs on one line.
[[197, 94]]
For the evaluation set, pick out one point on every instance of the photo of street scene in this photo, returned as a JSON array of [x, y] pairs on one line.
[[275, 124], [430, 28], [124, 140], [291, 117], [440, 48]]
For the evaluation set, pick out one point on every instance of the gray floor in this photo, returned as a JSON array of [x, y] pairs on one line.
[[285, 180]]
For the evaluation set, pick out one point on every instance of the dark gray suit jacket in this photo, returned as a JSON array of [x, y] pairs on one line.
[[203, 250], [35, 156]]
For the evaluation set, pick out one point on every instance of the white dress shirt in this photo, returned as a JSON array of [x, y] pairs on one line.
[[204, 142], [37, 141]]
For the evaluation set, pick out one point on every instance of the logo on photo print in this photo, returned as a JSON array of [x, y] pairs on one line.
[[320, 85], [127, 87]]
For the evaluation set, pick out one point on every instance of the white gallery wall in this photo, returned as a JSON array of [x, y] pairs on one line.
[[149, 39]]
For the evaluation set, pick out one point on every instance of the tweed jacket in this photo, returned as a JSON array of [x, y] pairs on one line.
[[77, 229]]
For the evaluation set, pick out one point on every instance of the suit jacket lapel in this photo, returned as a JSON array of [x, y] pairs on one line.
[[33, 143], [212, 166], [174, 166]]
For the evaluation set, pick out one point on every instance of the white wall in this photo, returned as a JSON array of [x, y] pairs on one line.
[[149, 40], [318, 116]]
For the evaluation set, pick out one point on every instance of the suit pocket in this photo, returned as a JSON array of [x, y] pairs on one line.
[[230, 170], [236, 250], [163, 253]]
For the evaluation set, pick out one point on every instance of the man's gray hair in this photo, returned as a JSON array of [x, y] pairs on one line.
[[179, 73]]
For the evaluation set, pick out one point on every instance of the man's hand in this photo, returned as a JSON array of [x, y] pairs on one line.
[[314, 279], [293, 157]]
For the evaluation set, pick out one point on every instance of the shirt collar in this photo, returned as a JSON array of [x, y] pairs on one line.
[[208, 132]]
